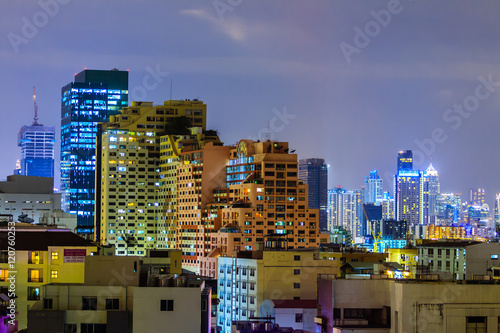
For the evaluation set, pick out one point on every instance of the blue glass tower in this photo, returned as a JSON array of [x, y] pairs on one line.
[[37, 150], [90, 99]]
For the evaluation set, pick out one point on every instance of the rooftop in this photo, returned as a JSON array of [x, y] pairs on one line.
[[41, 239]]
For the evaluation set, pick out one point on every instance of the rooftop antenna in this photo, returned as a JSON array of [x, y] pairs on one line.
[[268, 134], [35, 120]]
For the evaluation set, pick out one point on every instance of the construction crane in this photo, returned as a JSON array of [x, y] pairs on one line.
[[35, 120], [376, 237]]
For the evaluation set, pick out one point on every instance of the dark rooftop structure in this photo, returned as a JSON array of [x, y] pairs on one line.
[[41, 239]]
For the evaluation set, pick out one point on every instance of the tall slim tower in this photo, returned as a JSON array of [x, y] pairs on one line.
[[93, 97], [434, 189], [407, 189], [373, 188], [37, 147], [314, 172]]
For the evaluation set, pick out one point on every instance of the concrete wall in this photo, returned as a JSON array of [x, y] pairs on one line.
[[286, 318], [479, 259], [111, 271], [442, 307], [186, 316]]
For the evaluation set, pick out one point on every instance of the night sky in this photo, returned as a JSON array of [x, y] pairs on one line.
[[349, 81]]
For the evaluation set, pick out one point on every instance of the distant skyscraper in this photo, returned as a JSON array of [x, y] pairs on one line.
[[411, 191], [434, 189], [373, 191], [345, 210], [497, 214], [91, 98], [314, 171], [37, 148], [405, 160], [476, 196]]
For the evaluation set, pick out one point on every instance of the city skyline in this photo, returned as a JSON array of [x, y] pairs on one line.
[[254, 68]]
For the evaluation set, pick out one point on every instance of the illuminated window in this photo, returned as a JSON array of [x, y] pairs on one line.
[[33, 294], [55, 255], [35, 257], [54, 274], [4, 274], [34, 275]]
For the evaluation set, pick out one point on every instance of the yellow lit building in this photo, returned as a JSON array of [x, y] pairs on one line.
[[171, 147], [43, 256], [129, 205], [266, 199], [406, 257]]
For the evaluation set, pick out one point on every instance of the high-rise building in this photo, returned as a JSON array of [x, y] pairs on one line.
[[408, 200], [448, 206], [314, 172], [434, 189], [388, 206], [373, 191], [497, 214], [37, 148], [415, 191], [405, 160], [132, 179], [476, 196], [346, 210], [92, 98]]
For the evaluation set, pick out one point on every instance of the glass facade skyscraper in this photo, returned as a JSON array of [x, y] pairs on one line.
[[37, 150], [92, 98], [314, 172], [373, 191]]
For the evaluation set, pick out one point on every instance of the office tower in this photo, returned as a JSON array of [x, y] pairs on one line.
[[373, 191], [408, 198], [92, 98], [132, 179], [314, 172], [405, 160], [333, 203], [37, 148], [345, 210], [388, 206], [497, 214], [476, 196], [409, 190], [434, 188], [448, 206]]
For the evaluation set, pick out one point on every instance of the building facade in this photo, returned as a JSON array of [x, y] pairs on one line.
[[314, 172], [373, 191], [92, 98], [28, 198], [37, 150]]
